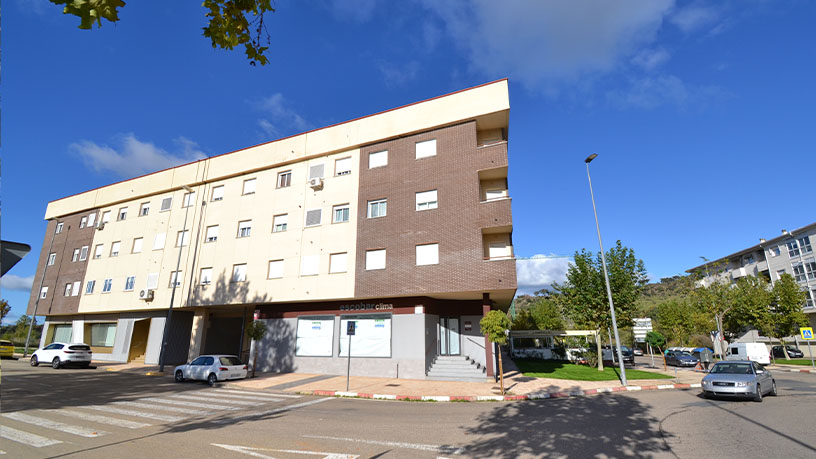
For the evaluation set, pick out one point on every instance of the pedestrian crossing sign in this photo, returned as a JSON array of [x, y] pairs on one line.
[[807, 332]]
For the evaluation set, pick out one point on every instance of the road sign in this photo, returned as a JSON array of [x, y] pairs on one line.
[[807, 332], [642, 326], [350, 328]]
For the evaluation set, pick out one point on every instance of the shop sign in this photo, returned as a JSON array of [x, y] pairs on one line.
[[366, 307], [468, 325]]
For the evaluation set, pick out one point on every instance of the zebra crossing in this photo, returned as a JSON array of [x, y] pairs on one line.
[[40, 428]]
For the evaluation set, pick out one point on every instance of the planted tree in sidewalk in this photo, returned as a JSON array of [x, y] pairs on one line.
[[657, 340], [495, 325], [717, 298], [255, 331], [785, 314]]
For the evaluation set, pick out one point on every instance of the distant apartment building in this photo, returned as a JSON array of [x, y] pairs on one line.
[[399, 221], [790, 253]]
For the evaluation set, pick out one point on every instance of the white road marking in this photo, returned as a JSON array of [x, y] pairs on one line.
[[26, 438], [231, 391], [210, 399], [49, 424], [395, 444], [100, 419], [243, 395], [174, 409], [138, 414], [207, 406], [275, 411], [250, 451]]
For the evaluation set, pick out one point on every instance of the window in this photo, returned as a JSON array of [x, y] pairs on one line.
[[374, 330], [44, 292], [774, 251], [309, 265], [316, 171], [144, 209], [375, 259], [804, 243], [340, 213], [426, 200], [799, 273], [129, 283], [105, 217], [68, 289], [98, 251], [315, 336], [206, 276], [748, 259], [275, 269], [137, 245], [426, 149], [377, 208], [188, 199], [91, 219], [52, 257], [83, 253], [793, 249], [82, 222], [314, 217], [152, 280], [427, 254], [496, 193], [158, 241], [175, 279], [115, 248], [59, 228], [810, 268], [218, 193], [378, 159], [244, 228], [75, 288], [75, 257], [338, 263], [279, 223], [122, 214], [166, 204], [342, 166], [284, 179], [103, 335], [780, 273], [249, 186], [239, 272], [182, 238], [89, 287], [62, 333], [212, 233]]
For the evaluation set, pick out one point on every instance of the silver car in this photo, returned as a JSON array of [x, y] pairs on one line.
[[738, 378], [212, 368]]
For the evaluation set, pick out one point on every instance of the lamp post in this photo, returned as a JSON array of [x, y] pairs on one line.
[[39, 292], [606, 274], [175, 282]]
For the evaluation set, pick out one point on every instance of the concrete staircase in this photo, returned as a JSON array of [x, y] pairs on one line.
[[456, 368]]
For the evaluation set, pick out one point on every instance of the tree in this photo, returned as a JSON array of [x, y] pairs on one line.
[[583, 296], [655, 339], [495, 325], [679, 320], [4, 310], [231, 22], [255, 331], [785, 314], [717, 298], [546, 315]]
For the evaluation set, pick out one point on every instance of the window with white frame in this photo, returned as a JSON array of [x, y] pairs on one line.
[[82, 222], [144, 209], [122, 214], [377, 159], [152, 281], [810, 269], [102, 335], [426, 200], [275, 269], [427, 254], [279, 223], [105, 217], [309, 265], [799, 273], [137, 245], [217, 193], [342, 166], [107, 285], [59, 228], [89, 287], [212, 233], [340, 213], [244, 228], [68, 288], [316, 171], [284, 179], [115, 249], [779, 274], [793, 249], [804, 244], [75, 257], [206, 276], [375, 259], [83, 253], [43, 292], [775, 251], [175, 278], [182, 238], [377, 208], [166, 204], [426, 149], [75, 288], [239, 272], [188, 199], [249, 186], [98, 250], [158, 241], [494, 193], [314, 217], [129, 283], [338, 263], [91, 219], [52, 257]]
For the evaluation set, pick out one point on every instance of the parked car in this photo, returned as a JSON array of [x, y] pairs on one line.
[[680, 359], [212, 368], [738, 378], [793, 352], [6, 349], [62, 354], [628, 355], [637, 351]]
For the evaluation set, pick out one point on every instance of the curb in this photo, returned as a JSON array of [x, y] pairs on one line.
[[794, 370], [497, 398]]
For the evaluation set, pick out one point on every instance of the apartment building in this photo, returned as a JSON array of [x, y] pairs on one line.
[[399, 221], [790, 253]]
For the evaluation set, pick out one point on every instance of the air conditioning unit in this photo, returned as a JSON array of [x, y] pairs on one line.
[[146, 295], [101, 226], [316, 182]]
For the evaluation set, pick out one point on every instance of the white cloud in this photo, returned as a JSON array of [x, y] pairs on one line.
[[356, 10], [134, 157], [280, 119], [693, 17], [398, 75], [650, 59], [652, 92], [12, 282], [537, 273]]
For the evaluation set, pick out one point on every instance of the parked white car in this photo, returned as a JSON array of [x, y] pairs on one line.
[[61, 354], [212, 368]]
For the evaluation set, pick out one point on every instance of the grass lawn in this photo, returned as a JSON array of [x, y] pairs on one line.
[[559, 369], [793, 362]]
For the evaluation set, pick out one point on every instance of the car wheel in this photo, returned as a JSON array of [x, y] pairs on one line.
[[179, 376], [86, 365], [34, 362], [55, 364], [773, 388], [212, 379], [758, 396]]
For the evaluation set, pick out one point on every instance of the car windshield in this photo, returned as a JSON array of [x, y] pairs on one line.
[[625, 349], [732, 368], [231, 360], [5, 343], [685, 353]]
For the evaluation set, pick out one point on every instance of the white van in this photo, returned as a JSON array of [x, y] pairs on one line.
[[755, 352]]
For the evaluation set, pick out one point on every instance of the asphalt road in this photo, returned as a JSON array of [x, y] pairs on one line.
[[262, 424]]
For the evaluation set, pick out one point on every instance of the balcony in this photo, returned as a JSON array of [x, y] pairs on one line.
[[497, 244]]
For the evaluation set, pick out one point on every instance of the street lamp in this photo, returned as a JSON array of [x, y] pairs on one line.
[[606, 275], [175, 282]]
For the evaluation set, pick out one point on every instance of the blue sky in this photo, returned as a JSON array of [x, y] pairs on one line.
[[702, 113]]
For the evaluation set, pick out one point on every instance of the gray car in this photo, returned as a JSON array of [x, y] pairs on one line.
[[738, 378]]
